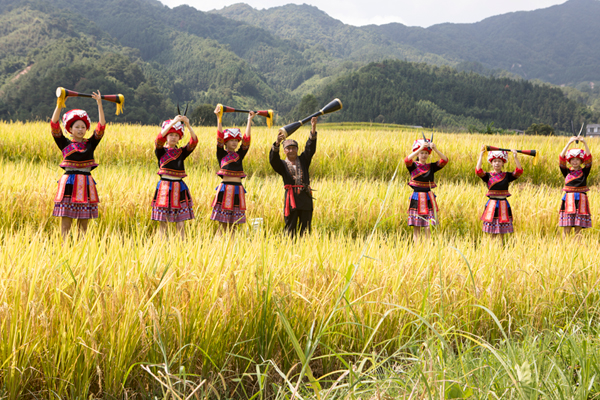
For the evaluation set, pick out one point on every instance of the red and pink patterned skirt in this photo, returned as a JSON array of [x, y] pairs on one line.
[[76, 197], [172, 202], [497, 217], [229, 205], [422, 210], [575, 210]]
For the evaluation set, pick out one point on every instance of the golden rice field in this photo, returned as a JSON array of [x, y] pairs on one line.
[[355, 310]]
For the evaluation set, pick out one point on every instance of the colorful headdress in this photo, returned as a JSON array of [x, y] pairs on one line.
[[230, 134], [176, 128], [289, 142], [420, 142], [575, 153], [72, 116], [497, 155]]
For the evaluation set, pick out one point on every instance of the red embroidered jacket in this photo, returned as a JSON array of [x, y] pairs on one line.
[[170, 161], [422, 175], [77, 154], [497, 183]]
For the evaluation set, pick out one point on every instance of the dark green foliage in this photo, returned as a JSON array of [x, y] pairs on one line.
[[308, 105], [418, 94], [203, 115], [540, 129]]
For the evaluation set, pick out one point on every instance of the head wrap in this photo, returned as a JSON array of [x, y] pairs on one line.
[[176, 128], [420, 142], [289, 142], [497, 155], [73, 116], [575, 153], [230, 134]]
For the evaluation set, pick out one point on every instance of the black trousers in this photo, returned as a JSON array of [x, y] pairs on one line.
[[302, 217]]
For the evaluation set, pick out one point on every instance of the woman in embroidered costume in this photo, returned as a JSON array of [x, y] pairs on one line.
[[172, 199], [229, 205], [77, 197], [423, 207], [497, 216], [575, 208]]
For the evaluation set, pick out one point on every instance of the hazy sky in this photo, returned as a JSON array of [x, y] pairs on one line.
[[408, 12]]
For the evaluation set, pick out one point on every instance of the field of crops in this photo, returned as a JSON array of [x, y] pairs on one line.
[[354, 310]]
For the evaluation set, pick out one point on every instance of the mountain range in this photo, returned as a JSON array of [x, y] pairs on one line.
[[158, 57]]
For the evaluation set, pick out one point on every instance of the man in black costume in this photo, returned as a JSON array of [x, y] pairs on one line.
[[296, 179]]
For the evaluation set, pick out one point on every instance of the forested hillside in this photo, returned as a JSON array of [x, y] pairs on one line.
[[401, 92], [558, 44], [158, 57]]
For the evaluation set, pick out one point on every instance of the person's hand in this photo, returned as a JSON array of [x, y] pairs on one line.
[[251, 115], [218, 109], [97, 96], [184, 119], [573, 138], [433, 146], [514, 152], [483, 149], [313, 122], [280, 136]]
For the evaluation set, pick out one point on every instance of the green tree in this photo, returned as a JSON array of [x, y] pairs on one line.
[[203, 115], [540, 129]]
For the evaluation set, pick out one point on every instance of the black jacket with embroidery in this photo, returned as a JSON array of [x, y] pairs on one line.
[[302, 196]]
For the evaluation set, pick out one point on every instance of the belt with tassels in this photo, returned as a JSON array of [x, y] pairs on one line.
[[290, 199]]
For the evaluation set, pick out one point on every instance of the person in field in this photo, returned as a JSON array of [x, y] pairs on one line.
[[423, 209], [229, 205], [298, 202], [172, 199], [575, 208], [497, 216], [77, 197]]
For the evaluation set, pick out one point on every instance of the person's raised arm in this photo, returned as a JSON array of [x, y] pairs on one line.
[[412, 155], [56, 114], [251, 115], [274, 158], [98, 97], [439, 153], [219, 125], [166, 129], [480, 160], [563, 153], [194, 139], [517, 162], [587, 149], [313, 127]]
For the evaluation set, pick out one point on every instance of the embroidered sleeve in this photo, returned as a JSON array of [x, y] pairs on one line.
[[160, 141], [410, 164], [562, 162], [99, 131], [587, 161], [479, 173], [191, 146], [55, 129], [57, 134], [245, 142], [518, 172], [442, 163], [220, 139]]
